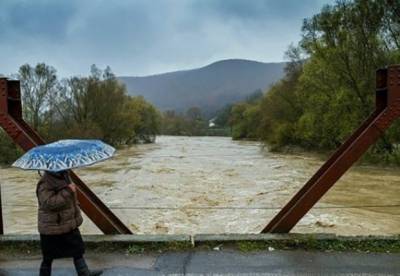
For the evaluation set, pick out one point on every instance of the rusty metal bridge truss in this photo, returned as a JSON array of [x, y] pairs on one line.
[[24, 136], [387, 109]]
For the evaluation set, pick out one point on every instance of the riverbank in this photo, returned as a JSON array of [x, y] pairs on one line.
[[382, 160]]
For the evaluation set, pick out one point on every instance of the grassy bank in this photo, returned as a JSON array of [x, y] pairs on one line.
[[13, 245]]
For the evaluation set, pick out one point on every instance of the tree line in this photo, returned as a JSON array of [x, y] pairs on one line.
[[95, 106], [329, 83], [192, 122]]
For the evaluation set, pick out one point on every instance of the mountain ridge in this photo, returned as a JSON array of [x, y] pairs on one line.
[[205, 66], [209, 87]]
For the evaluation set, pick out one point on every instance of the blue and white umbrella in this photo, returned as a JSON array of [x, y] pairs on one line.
[[65, 155]]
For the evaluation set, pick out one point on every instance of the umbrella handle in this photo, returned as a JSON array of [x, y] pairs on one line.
[[67, 177]]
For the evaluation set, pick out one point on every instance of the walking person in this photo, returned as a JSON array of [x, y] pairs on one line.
[[59, 217]]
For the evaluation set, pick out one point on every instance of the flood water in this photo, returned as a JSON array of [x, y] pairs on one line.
[[187, 185]]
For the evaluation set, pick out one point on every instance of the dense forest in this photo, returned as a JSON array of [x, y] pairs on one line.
[[96, 106], [329, 83]]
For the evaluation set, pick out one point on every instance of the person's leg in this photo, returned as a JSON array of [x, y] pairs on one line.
[[45, 267], [82, 268]]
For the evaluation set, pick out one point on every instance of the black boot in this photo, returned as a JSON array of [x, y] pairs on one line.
[[45, 271], [45, 268], [83, 270]]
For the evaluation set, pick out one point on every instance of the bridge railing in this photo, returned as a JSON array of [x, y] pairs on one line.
[[387, 110]]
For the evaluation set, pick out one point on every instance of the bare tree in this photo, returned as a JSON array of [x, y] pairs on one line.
[[38, 86]]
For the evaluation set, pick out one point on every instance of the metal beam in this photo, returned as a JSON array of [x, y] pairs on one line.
[[23, 135], [386, 111], [1, 216]]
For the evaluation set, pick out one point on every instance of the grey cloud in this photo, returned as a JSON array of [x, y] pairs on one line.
[[256, 10], [144, 37], [46, 19]]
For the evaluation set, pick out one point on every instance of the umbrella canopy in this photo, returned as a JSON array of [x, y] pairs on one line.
[[65, 155]]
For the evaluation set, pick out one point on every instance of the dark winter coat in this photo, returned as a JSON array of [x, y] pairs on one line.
[[59, 211]]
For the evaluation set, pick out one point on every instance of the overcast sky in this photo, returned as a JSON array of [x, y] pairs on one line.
[[146, 36]]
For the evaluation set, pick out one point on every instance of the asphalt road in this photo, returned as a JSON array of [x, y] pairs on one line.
[[224, 262]]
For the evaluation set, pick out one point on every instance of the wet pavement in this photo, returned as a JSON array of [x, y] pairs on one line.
[[224, 262]]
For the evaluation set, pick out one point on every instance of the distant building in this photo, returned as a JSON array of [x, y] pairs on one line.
[[211, 122]]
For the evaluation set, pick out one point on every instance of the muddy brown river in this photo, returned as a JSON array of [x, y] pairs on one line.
[[187, 185]]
